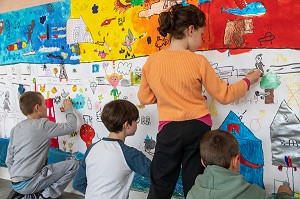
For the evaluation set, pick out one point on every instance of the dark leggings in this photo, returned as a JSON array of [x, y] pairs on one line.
[[177, 147]]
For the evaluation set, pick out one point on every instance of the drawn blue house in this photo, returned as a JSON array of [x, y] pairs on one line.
[[252, 158]]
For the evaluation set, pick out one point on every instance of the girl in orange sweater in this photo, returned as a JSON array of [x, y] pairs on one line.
[[173, 79]]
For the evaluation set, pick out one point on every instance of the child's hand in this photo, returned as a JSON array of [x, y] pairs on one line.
[[286, 189], [67, 103], [253, 76]]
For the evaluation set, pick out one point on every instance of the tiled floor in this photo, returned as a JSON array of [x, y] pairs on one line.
[[5, 188]]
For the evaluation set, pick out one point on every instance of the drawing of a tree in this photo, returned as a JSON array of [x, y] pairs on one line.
[[269, 82]]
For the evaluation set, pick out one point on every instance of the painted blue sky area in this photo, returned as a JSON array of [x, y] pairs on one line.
[[36, 35]]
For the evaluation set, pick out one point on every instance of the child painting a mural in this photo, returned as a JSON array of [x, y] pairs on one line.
[[220, 155], [108, 167], [173, 79], [28, 151]]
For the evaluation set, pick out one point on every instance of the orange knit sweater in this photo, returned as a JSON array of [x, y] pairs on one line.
[[173, 79]]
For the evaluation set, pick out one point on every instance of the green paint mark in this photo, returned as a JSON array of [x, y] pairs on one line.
[[137, 2], [270, 81]]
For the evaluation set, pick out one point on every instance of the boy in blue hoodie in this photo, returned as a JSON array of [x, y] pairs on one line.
[[220, 156]]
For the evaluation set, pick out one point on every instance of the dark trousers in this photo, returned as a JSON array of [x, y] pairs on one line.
[[177, 147]]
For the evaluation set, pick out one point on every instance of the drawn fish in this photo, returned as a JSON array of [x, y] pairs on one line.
[[251, 9]]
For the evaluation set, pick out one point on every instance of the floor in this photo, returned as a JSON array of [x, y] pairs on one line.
[[5, 188]]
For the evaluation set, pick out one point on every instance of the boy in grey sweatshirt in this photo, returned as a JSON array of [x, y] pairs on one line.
[[29, 146]]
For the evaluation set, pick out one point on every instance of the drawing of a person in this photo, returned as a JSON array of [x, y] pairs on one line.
[[259, 65], [6, 102], [63, 72], [114, 80]]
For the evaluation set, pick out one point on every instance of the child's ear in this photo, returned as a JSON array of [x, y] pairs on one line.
[[203, 163], [235, 163], [36, 107], [126, 125], [190, 30]]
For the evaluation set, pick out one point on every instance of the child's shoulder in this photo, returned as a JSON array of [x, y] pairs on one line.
[[171, 53], [38, 120]]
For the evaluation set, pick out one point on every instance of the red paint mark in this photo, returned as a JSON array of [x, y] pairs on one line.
[[42, 37], [107, 21], [87, 133], [238, 51], [235, 127], [240, 4], [51, 116], [249, 164]]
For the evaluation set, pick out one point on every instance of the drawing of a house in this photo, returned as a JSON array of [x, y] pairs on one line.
[[285, 136], [252, 158]]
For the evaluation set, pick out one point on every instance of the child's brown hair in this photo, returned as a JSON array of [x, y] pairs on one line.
[[218, 147], [178, 18], [28, 100], [117, 112]]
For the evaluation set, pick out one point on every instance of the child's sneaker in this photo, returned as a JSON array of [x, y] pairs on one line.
[[42, 197], [14, 195]]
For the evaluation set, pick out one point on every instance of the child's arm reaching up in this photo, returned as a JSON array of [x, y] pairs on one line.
[[219, 89], [58, 129], [253, 76]]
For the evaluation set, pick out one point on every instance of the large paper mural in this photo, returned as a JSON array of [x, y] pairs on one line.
[[93, 52]]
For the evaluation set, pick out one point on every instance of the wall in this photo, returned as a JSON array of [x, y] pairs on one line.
[[73, 49]]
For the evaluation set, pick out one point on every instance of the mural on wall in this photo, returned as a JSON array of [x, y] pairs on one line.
[[37, 35], [85, 31], [92, 52]]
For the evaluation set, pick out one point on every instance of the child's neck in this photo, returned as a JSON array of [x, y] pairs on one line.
[[178, 44], [119, 136], [33, 116]]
